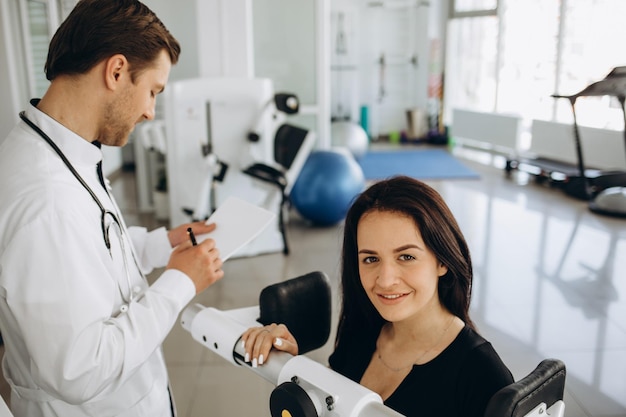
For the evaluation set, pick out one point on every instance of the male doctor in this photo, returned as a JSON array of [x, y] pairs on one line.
[[82, 327]]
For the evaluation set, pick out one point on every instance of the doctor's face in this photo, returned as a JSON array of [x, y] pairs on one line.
[[135, 102], [398, 271]]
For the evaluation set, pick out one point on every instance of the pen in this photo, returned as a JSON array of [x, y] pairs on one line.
[[191, 236]]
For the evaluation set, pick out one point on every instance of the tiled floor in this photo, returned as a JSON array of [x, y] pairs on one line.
[[549, 282]]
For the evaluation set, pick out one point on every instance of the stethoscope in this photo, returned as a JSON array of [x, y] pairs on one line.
[[104, 214]]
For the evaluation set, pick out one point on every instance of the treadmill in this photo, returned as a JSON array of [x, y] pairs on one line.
[[605, 190]]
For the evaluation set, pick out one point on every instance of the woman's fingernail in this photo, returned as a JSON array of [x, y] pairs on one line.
[[260, 359], [254, 364], [247, 358], [243, 344], [278, 342]]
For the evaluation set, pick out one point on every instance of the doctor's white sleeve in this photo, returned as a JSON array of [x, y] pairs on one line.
[[65, 300], [153, 248]]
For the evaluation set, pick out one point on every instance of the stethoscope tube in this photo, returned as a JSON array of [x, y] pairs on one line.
[[69, 165], [104, 212]]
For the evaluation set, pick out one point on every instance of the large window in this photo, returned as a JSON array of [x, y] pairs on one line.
[[39, 19], [512, 55], [471, 63]]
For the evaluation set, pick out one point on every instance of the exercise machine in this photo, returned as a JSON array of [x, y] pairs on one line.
[[605, 190], [292, 146], [305, 388], [216, 128]]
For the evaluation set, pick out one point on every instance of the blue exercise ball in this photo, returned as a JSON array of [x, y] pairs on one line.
[[327, 185]]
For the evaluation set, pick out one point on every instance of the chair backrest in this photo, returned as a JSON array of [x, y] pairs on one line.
[[539, 393], [292, 146], [287, 143], [303, 304]]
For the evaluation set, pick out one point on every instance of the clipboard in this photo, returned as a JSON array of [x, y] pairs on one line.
[[238, 222]]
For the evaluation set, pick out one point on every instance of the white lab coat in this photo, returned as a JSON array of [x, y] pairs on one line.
[[69, 350]]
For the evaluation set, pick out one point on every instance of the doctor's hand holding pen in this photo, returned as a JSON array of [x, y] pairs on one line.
[[180, 234], [199, 261]]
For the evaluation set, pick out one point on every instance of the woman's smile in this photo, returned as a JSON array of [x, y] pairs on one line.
[[392, 298]]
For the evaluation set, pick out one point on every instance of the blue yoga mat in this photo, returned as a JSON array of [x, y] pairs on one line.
[[421, 164]]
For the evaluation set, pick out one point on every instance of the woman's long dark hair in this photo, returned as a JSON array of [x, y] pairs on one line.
[[440, 233]]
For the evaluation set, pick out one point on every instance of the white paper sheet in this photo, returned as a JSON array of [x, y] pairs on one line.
[[238, 222]]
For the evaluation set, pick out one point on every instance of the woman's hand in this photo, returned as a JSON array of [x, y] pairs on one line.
[[179, 234], [258, 341]]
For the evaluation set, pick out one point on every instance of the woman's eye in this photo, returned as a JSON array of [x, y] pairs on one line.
[[406, 257], [369, 259]]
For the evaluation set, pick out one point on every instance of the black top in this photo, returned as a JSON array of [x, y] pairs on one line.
[[458, 382]]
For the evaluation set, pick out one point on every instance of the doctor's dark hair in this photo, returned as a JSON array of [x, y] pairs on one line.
[[441, 234], [95, 30]]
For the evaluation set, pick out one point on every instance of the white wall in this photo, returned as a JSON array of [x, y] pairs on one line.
[[181, 19], [224, 38]]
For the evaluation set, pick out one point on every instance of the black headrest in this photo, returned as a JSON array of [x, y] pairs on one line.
[[303, 304]]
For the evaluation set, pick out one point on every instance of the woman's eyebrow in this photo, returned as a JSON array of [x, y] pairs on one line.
[[398, 249], [408, 246]]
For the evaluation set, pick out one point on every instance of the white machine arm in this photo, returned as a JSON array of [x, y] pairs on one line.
[[303, 386]]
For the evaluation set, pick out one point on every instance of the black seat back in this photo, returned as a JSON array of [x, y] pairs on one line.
[[303, 304], [545, 384], [287, 143]]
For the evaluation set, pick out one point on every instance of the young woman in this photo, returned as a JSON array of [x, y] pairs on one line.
[[404, 329]]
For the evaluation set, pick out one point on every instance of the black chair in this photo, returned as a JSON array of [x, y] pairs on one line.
[[292, 146], [539, 394]]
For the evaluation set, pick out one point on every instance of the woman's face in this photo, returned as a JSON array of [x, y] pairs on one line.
[[398, 272]]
